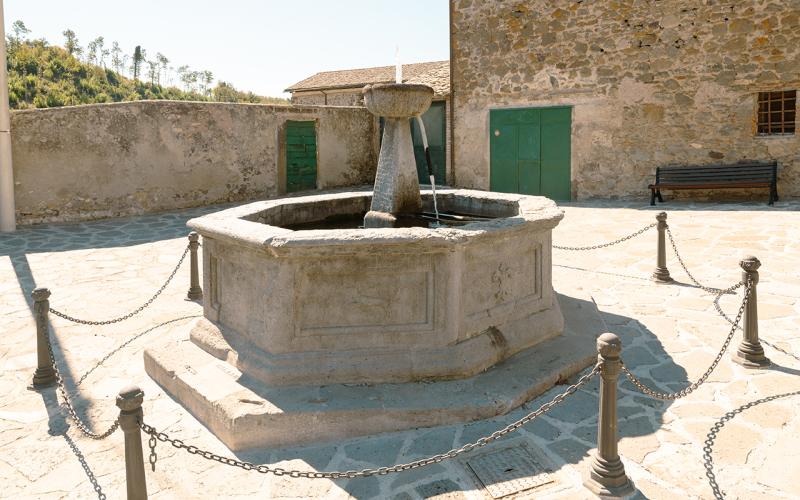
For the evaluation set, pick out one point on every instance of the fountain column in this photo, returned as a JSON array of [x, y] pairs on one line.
[[396, 186]]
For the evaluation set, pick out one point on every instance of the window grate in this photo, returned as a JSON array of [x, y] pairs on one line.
[[777, 112]]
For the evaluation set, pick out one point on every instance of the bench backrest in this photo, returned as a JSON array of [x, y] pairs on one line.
[[739, 172]]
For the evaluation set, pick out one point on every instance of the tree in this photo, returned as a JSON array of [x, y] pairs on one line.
[[20, 30], [91, 52], [183, 76], [138, 57], [71, 44], [116, 61], [40, 75], [163, 62], [152, 73], [98, 44], [208, 78], [194, 76]]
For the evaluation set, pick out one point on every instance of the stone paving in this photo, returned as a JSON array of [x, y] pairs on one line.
[[670, 333]]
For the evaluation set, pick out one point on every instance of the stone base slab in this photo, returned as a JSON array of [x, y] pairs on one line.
[[244, 413]]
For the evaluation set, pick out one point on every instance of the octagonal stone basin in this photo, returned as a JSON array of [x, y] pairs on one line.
[[323, 306]]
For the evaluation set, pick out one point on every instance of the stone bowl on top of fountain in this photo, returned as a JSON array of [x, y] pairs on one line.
[[397, 100]]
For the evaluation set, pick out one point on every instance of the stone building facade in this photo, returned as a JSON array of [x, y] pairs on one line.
[[641, 83]]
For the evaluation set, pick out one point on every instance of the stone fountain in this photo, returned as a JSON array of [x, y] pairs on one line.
[[315, 328]]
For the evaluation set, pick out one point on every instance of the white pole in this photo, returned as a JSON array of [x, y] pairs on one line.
[[7, 217]]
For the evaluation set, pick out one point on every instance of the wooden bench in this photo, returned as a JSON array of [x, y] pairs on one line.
[[740, 175]]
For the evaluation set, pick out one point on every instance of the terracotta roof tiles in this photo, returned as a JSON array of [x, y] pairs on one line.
[[435, 74]]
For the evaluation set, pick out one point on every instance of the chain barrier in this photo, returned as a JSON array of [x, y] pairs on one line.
[[68, 403], [693, 386], [125, 344], [89, 474], [765, 342], [156, 436], [132, 313], [610, 243], [708, 461], [62, 388], [708, 289]]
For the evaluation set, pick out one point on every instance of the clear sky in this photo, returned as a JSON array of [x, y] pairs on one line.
[[258, 45]]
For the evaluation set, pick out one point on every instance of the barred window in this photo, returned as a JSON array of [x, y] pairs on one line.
[[777, 112]]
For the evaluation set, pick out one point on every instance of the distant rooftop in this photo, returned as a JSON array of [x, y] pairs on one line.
[[435, 74]]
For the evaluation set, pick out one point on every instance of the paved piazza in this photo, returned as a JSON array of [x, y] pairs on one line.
[[670, 333]]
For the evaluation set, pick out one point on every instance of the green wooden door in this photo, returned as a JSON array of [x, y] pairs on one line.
[[530, 151], [301, 156], [435, 123]]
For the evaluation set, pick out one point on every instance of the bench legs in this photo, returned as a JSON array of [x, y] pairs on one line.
[[655, 193], [773, 194]]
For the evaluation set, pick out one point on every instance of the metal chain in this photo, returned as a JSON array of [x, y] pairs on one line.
[[708, 461], [708, 289], [156, 436], [89, 474], [738, 327], [126, 343], [68, 403], [693, 386], [132, 313], [610, 243]]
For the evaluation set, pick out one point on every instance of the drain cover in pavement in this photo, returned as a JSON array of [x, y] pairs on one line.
[[510, 470]]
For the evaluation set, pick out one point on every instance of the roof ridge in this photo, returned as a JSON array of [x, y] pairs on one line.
[[354, 77], [374, 67]]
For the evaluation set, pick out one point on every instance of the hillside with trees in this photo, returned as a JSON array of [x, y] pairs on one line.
[[41, 75]]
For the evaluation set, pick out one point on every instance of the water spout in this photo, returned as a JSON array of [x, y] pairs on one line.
[[398, 68], [424, 135]]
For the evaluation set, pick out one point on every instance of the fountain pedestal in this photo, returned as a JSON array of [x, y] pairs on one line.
[[396, 186]]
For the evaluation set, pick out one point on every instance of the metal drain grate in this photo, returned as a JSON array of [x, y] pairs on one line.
[[511, 470]]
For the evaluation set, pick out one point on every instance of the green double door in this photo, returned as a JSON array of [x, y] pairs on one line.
[[301, 156], [530, 151]]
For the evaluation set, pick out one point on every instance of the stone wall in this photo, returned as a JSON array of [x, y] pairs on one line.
[[651, 83], [108, 160]]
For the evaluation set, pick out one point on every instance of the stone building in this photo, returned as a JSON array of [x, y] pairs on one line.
[[579, 99], [343, 88]]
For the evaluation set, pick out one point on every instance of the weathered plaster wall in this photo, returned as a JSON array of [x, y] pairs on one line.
[[107, 160], [652, 83]]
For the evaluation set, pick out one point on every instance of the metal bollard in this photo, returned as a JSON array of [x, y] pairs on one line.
[[750, 352], [129, 402], [195, 292], [607, 476], [661, 274], [45, 375]]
